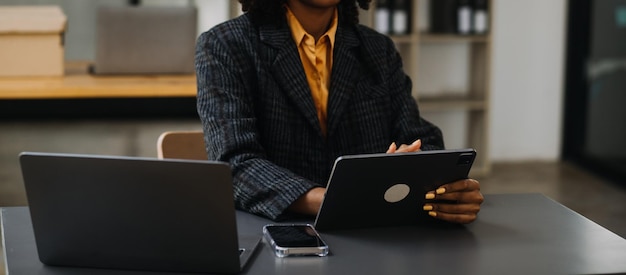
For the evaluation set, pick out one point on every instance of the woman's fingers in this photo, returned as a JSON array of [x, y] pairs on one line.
[[452, 208], [392, 148], [413, 147], [465, 198], [454, 218]]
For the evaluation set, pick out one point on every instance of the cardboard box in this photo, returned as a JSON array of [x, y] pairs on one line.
[[31, 40]]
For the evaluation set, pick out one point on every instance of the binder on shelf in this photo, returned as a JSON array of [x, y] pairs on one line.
[[382, 16], [393, 17], [443, 16], [462, 17], [480, 18], [401, 17]]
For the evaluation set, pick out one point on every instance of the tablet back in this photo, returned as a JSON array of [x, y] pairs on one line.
[[376, 190]]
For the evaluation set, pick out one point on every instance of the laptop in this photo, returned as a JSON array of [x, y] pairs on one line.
[[375, 190], [145, 40], [134, 213]]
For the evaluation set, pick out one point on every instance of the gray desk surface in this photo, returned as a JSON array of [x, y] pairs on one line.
[[514, 234]]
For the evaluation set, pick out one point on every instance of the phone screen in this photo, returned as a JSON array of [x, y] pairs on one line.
[[294, 236]]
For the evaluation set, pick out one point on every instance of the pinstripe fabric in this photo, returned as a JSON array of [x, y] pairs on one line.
[[257, 112]]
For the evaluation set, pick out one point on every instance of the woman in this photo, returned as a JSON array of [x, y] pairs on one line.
[[289, 86]]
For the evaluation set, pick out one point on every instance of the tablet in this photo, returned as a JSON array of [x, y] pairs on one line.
[[375, 190]]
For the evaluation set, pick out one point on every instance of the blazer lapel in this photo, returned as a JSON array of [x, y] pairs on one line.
[[286, 67], [344, 76]]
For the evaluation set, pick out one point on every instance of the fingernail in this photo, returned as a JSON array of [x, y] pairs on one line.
[[440, 190], [428, 207], [430, 196], [415, 142], [432, 214]]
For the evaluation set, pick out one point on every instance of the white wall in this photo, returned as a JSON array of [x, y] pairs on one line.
[[527, 77], [210, 12]]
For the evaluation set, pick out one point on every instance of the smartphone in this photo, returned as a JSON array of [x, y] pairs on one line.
[[294, 240]]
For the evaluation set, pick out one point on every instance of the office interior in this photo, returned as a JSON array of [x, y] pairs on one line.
[[555, 117]]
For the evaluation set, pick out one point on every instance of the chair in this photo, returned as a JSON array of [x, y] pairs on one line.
[[182, 145]]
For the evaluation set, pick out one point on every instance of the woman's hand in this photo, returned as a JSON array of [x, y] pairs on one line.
[[413, 147], [466, 194]]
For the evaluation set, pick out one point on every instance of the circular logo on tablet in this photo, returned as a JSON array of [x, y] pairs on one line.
[[397, 192]]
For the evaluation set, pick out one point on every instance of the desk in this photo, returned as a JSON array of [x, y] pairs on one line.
[[78, 94], [78, 84], [514, 234]]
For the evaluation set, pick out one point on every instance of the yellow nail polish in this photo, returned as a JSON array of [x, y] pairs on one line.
[[430, 196], [440, 190], [428, 207], [432, 214]]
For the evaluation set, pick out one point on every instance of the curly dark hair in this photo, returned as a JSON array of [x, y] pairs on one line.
[[272, 11]]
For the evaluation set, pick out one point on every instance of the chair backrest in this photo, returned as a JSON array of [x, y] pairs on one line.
[[182, 145]]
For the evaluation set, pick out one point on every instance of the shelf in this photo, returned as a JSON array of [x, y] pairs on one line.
[[437, 62], [440, 103], [404, 39], [447, 38], [78, 84]]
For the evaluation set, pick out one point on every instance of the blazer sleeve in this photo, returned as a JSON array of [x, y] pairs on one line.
[[225, 69]]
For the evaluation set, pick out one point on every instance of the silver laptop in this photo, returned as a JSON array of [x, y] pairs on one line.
[[375, 190], [134, 213], [145, 40]]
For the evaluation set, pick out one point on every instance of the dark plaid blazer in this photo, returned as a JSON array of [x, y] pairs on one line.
[[258, 114]]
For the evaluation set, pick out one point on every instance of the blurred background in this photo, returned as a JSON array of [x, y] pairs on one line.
[[538, 87]]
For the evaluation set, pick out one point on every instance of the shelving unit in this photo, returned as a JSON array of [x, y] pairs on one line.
[[466, 95]]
